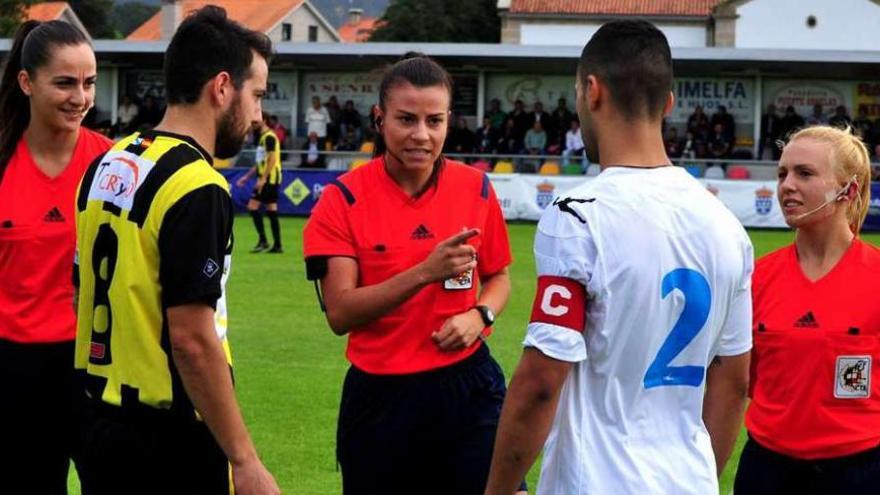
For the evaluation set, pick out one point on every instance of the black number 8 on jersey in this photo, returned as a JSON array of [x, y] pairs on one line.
[[104, 255]]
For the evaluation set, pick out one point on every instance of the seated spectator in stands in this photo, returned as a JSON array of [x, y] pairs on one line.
[[719, 144], [561, 118], [539, 115], [487, 136], [673, 143], [522, 121], [574, 141], [349, 141], [840, 118], [317, 120], [125, 116], [460, 139], [149, 114], [818, 116], [728, 126], [698, 123], [689, 146], [791, 122], [335, 113], [508, 143], [351, 121], [313, 156], [496, 114], [536, 139], [863, 127], [771, 125]]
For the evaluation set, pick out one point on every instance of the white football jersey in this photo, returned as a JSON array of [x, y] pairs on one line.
[[665, 270]]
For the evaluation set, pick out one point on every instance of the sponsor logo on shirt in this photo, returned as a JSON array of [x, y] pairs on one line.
[[763, 201], [807, 321], [564, 206], [96, 350], [211, 268], [54, 216], [118, 178], [853, 377], [421, 233], [545, 194]]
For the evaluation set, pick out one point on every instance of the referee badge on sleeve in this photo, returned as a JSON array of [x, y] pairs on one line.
[[853, 377]]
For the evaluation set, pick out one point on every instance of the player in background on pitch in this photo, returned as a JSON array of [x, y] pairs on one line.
[[635, 368]]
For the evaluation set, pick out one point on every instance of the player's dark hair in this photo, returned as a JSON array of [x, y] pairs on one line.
[[633, 59], [207, 43], [31, 49]]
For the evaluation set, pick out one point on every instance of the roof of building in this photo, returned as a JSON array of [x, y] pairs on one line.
[[46, 11], [259, 15], [660, 8], [360, 32]]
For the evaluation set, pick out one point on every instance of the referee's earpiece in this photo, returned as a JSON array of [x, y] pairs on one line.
[[844, 193], [378, 121]]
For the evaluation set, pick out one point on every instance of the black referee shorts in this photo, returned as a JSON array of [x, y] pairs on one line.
[[269, 194], [765, 472], [39, 405], [144, 451], [426, 433]]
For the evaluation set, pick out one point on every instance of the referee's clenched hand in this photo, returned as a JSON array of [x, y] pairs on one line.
[[252, 478], [450, 258]]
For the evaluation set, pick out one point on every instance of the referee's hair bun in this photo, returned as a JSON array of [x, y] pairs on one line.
[[412, 54]]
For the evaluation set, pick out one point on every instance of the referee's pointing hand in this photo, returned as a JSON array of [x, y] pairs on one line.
[[450, 258]]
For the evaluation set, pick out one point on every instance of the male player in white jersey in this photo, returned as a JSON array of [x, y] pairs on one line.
[[635, 369]]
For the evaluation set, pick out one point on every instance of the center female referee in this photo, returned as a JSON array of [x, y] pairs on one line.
[[48, 85], [814, 419], [412, 252]]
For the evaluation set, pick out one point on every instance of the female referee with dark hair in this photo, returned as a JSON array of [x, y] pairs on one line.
[[400, 247], [48, 85]]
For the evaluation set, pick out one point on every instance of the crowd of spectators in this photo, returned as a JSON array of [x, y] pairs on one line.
[[520, 131]]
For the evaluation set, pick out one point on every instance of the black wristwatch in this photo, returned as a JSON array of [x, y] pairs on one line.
[[486, 314]]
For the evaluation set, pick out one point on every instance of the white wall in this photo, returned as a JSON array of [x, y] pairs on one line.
[[841, 24], [679, 35], [301, 19]]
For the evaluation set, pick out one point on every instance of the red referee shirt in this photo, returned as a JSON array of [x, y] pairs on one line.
[[37, 241], [368, 217], [815, 385]]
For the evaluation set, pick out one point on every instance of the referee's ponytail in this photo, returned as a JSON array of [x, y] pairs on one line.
[[31, 49]]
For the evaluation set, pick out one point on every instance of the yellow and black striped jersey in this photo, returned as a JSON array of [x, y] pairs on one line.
[[154, 230], [269, 144]]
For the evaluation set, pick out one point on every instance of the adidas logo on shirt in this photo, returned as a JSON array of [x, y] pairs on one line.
[[421, 233], [54, 215], [807, 321]]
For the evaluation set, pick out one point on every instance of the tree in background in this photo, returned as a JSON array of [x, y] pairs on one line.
[[12, 13], [454, 21], [94, 15], [126, 17]]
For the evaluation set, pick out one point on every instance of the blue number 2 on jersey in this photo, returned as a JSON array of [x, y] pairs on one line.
[[697, 301]]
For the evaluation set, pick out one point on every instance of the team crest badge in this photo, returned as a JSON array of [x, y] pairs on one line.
[[853, 377], [545, 194], [763, 201]]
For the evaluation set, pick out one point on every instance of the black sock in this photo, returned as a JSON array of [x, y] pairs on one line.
[[258, 223], [276, 227]]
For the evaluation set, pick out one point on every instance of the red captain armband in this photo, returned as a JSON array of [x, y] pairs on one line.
[[560, 301]]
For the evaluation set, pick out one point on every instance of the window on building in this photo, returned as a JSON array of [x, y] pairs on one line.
[[313, 33], [286, 31]]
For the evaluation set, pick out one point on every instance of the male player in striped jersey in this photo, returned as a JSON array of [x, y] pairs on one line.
[[636, 363], [268, 171], [154, 238]]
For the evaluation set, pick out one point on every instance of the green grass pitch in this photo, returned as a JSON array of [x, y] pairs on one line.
[[289, 366]]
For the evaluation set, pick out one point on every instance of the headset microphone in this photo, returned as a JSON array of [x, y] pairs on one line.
[[830, 197]]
